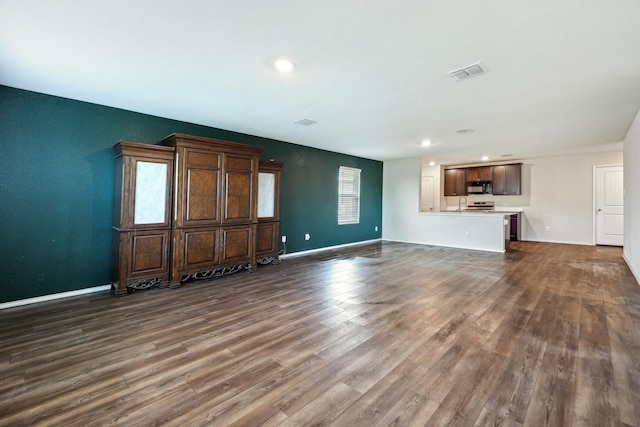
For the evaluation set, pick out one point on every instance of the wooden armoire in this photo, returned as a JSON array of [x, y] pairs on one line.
[[215, 207], [142, 216], [210, 227], [268, 232]]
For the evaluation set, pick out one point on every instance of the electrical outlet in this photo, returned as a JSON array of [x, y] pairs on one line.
[[376, 228], [547, 228], [468, 233], [284, 239], [307, 236]]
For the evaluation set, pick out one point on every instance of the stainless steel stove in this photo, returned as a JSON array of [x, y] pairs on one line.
[[480, 207]]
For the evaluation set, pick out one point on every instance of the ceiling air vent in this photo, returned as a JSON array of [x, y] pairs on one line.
[[305, 122], [461, 131], [468, 71]]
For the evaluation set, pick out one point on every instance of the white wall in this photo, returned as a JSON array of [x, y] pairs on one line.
[[632, 197], [560, 196], [400, 197], [556, 192]]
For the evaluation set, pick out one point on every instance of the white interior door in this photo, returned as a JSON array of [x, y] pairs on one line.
[[426, 194], [609, 198]]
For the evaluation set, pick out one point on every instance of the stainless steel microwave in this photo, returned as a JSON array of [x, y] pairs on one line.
[[479, 187]]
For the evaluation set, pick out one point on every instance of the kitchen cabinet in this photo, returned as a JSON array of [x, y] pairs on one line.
[[483, 173], [268, 231], [455, 182], [506, 179]]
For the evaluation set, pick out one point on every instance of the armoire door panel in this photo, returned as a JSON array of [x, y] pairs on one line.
[[236, 243], [203, 160], [238, 163], [238, 196], [267, 182], [200, 248], [198, 173], [149, 252], [202, 195], [151, 192], [266, 238]]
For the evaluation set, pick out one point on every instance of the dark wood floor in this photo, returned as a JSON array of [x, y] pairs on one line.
[[379, 334]]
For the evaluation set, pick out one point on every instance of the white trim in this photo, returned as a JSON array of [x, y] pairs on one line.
[[637, 276], [594, 215], [327, 248], [52, 297]]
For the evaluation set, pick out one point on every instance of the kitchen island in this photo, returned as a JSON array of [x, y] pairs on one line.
[[485, 231]]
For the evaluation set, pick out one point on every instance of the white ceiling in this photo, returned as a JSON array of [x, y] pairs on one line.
[[564, 75]]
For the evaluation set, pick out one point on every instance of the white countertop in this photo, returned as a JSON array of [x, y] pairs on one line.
[[468, 213], [474, 213], [499, 210], [508, 209]]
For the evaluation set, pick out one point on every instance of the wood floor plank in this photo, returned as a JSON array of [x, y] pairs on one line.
[[512, 393], [411, 409], [464, 403], [505, 337], [378, 334], [625, 361], [562, 349], [551, 402], [323, 410], [596, 400], [379, 400]]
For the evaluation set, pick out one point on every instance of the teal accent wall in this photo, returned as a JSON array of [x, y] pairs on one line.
[[57, 173]]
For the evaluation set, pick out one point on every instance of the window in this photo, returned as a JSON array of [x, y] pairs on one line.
[[348, 196]]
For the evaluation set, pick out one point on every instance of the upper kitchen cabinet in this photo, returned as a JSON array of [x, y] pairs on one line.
[[483, 173], [506, 180], [454, 182]]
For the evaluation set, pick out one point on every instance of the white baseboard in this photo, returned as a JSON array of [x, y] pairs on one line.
[[327, 248], [635, 274], [52, 297]]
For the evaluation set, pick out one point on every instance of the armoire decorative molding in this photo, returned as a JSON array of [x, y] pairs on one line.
[[188, 209]]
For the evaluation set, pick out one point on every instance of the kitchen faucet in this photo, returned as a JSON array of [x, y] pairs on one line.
[[460, 203]]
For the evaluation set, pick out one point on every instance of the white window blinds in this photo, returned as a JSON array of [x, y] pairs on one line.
[[348, 195]]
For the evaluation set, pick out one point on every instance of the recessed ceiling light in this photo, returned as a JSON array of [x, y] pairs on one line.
[[485, 158], [425, 142], [284, 65]]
